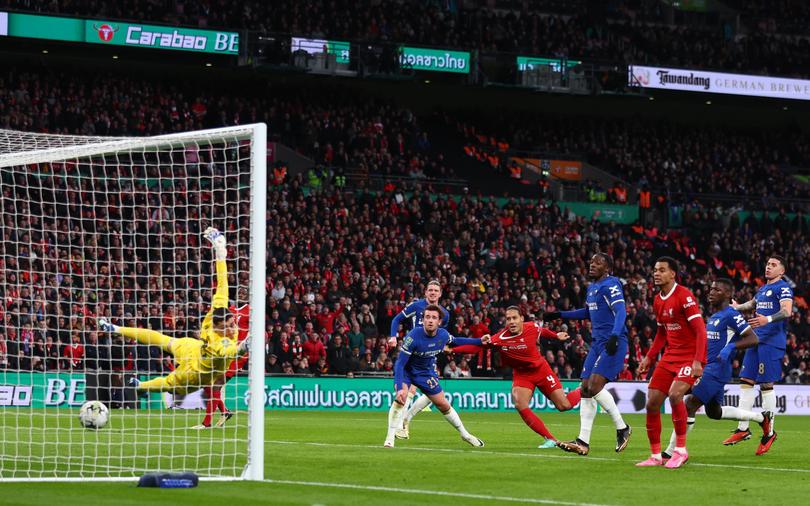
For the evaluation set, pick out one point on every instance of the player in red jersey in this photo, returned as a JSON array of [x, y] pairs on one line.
[[213, 393], [518, 347], [682, 329]]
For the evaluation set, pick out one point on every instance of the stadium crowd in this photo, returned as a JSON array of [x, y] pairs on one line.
[[342, 129], [768, 42], [341, 265]]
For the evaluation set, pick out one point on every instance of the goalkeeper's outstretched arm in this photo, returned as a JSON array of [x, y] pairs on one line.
[[220, 322]]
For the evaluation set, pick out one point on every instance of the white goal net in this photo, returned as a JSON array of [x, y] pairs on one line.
[[112, 228]]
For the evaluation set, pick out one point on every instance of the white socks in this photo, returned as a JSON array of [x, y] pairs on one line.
[[454, 420], [587, 413], [732, 413], [690, 424], [609, 405], [395, 415], [418, 405], [769, 403], [747, 397]]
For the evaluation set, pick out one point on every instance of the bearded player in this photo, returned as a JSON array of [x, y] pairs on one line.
[[682, 330], [200, 362], [518, 347]]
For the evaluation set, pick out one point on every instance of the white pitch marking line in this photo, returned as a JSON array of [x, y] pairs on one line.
[[531, 455], [431, 492]]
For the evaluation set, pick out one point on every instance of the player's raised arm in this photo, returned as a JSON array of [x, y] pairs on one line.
[[217, 240], [745, 306]]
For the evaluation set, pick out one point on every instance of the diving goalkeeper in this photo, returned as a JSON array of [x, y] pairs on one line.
[[200, 362]]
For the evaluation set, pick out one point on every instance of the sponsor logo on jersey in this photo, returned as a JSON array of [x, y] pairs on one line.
[[615, 291]]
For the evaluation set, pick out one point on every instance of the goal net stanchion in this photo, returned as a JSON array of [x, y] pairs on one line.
[[111, 227]]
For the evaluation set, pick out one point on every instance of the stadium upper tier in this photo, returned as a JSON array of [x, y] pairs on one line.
[[341, 127], [746, 39]]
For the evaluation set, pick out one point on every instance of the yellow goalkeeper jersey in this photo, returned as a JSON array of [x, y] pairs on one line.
[[217, 351]]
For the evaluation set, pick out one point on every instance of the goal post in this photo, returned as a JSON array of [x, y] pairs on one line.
[[105, 227]]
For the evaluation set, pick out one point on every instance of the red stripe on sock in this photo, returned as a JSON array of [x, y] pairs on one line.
[[535, 423], [654, 430]]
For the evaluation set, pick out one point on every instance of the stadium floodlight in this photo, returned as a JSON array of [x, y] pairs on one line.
[[112, 227]]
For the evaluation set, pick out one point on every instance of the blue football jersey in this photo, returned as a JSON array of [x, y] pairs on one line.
[[723, 327], [602, 297], [416, 309], [768, 298], [423, 350]]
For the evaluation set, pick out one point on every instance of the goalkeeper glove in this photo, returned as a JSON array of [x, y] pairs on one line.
[[552, 315], [217, 240], [612, 345], [104, 325], [726, 353]]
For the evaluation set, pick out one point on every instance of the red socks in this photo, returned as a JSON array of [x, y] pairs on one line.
[[679, 415], [654, 430], [574, 396], [213, 401], [535, 423]]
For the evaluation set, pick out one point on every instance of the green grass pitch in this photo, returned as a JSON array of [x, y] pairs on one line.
[[336, 458]]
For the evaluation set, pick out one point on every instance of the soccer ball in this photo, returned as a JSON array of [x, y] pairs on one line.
[[93, 415]]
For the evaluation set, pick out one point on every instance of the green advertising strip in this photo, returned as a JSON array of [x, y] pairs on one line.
[[436, 60], [66, 390], [376, 394], [530, 63], [339, 49], [122, 34], [41, 390]]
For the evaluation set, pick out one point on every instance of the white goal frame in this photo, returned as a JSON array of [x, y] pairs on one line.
[[257, 133]]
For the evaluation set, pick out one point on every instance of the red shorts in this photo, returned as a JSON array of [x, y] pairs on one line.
[[541, 377], [236, 365], [668, 372]]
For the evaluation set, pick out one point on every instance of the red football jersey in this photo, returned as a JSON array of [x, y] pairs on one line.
[[520, 351], [674, 311], [242, 315]]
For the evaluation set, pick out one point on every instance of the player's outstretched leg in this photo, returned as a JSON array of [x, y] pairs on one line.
[[143, 336], [453, 419]]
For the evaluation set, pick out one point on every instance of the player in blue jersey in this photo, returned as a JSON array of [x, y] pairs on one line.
[[414, 312], [773, 305], [726, 332], [605, 308], [416, 366]]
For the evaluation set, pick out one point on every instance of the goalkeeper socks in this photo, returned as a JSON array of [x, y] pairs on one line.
[[769, 404], [218, 404], [587, 413], [732, 413], [418, 405], [747, 397], [654, 431], [690, 424], [574, 396], [454, 420], [679, 415], [535, 423], [605, 399]]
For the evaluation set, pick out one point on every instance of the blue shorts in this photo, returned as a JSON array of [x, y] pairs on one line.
[[763, 364], [710, 388], [599, 362], [428, 384]]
